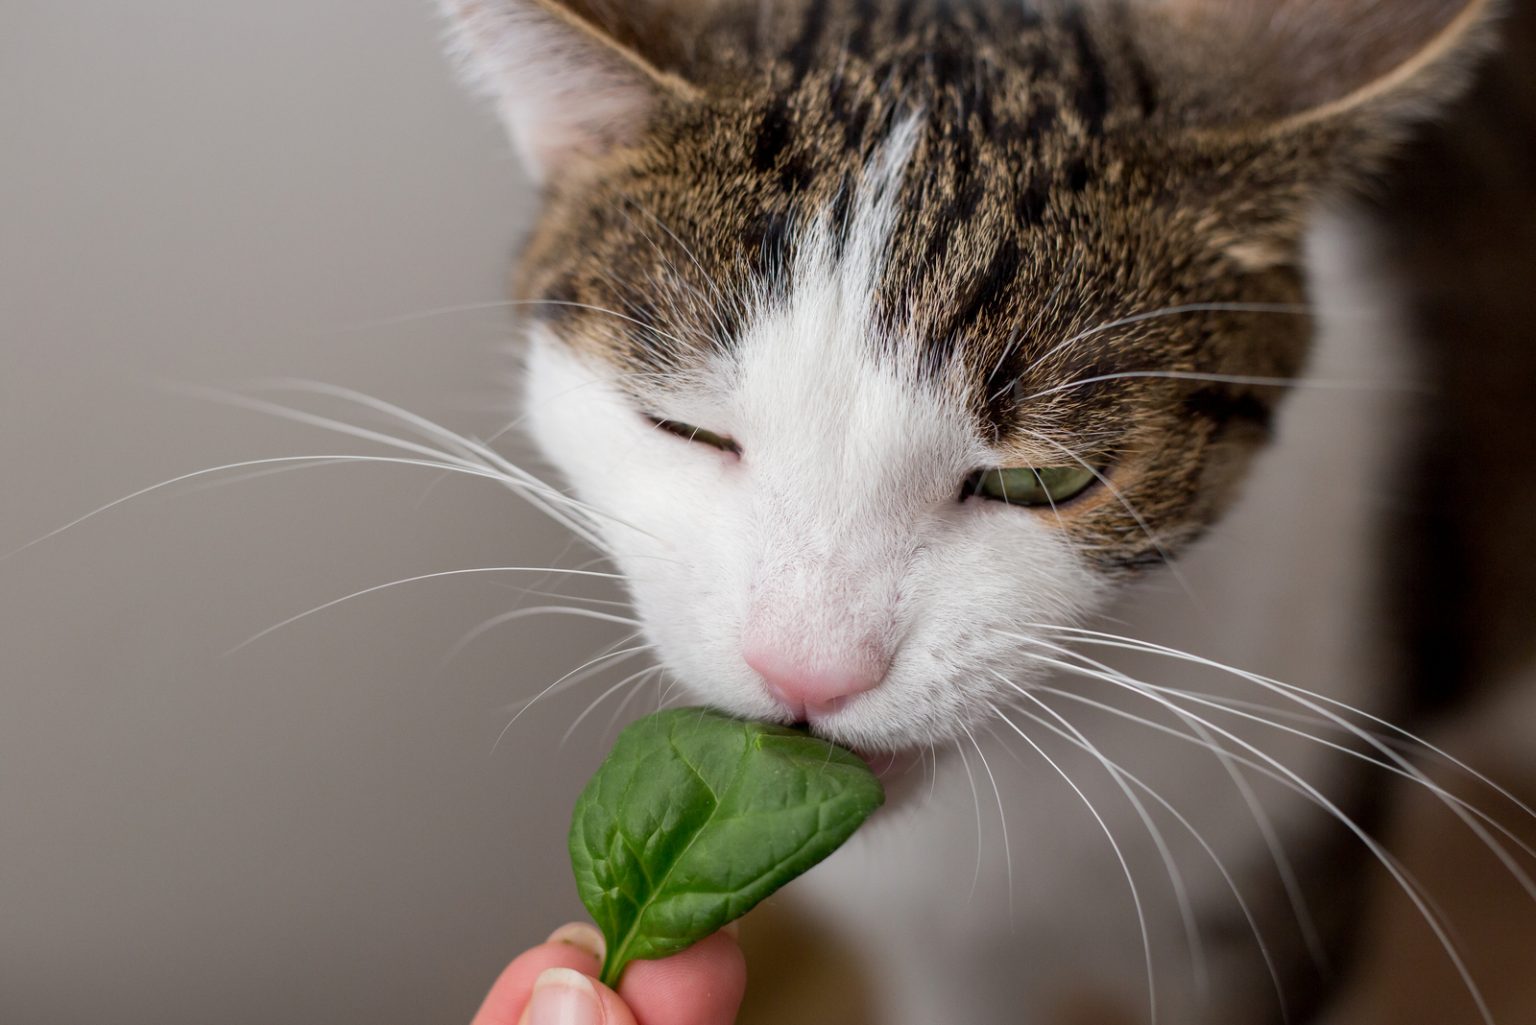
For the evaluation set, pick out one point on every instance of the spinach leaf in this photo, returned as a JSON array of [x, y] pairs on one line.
[[695, 817]]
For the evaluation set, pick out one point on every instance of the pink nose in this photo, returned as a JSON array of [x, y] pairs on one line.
[[813, 692]]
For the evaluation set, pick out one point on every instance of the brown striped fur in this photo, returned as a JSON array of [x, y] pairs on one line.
[[1065, 176]]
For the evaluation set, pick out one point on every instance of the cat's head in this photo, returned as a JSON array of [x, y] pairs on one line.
[[879, 331]]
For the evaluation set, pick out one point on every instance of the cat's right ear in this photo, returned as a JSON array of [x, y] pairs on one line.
[[1364, 67], [567, 80]]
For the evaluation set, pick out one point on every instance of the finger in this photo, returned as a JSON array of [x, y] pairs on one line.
[[576, 947], [563, 996], [701, 986]]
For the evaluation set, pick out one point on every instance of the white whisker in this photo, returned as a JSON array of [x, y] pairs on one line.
[[412, 580], [1002, 817], [1283, 309], [1410, 887], [1077, 739], [975, 796], [635, 679], [933, 778], [574, 677], [540, 495], [1284, 868], [293, 462], [1141, 915], [525, 613], [1315, 703], [618, 712], [468, 449], [1314, 384], [1170, 864], [1125, 503]]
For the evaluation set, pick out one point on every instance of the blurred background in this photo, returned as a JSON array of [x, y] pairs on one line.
[[334, 823], [320, 827]]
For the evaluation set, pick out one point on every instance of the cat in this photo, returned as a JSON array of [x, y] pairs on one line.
[[958, 377]]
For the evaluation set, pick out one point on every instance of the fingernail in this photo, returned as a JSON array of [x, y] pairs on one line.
[[732, 929], [581, 936], [562, 996]]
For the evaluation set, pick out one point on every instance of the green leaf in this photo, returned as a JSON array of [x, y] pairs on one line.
[[695, 817]]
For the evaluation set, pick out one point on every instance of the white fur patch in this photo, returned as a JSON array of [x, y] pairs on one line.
[[839, 526]]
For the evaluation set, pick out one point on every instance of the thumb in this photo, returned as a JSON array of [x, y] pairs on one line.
[[564, 996], [701, 986]]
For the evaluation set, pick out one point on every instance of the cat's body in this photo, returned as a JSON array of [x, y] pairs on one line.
[[869, 257]]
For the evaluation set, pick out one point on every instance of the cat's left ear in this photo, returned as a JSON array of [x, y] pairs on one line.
[[1354, 74], [570, 78]]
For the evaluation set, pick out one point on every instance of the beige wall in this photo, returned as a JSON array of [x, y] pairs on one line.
[[317, 828]]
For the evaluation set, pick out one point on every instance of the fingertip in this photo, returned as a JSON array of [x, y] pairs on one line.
[[582, 936], [508, 998], [562, 996], [703, 985]]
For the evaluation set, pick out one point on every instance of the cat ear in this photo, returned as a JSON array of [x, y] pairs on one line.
[[1361, 66], [568, 76]]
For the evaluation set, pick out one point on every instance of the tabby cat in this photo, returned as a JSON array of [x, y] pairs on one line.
[[1024, 378]]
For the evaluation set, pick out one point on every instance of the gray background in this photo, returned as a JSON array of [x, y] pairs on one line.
[[320, 827]]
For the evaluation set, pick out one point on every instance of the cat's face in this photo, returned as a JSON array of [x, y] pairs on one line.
[[877, 338]]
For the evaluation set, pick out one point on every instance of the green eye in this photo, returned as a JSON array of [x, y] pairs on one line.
[[688, 432], [1032, 486]]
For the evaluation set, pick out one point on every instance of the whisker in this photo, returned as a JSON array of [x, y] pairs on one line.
[[1238, 379], [1141, 915], [468, 449], [1226, 875], [412, 580], [440, 311], [1283, 309], [1405, 881], [1284, 867], [293, 462], [637, 322], [1041, 311], [1110, 640], [976, 796], [1461, 809], [601, 602], [1002, 817], [537, 493], [933, 779], [275, 471], [1457, 805], [618, 712], [1186, 910], [605, 657], [1170, 864], [634, 678], [716, 303], [664, 695], [1125, 503], [525, 613]]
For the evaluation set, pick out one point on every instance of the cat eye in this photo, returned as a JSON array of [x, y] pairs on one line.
[[1031, 486], [688, 432]]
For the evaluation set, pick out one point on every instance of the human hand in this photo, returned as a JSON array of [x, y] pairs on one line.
[[556, 983]]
